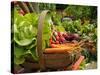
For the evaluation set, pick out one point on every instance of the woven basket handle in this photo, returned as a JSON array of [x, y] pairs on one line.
[[39, 38]]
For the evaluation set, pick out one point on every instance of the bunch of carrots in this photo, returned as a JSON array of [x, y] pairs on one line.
[[76, 65], [61, 42]]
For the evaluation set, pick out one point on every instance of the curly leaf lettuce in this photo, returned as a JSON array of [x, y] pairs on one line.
[[25, 36], [25, 29]]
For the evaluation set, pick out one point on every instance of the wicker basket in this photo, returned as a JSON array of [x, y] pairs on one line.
[[52, 60]]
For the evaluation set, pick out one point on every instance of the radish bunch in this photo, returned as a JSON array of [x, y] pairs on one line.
[[63, 37]]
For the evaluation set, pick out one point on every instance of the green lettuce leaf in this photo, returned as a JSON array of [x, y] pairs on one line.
[[25, 29], [19, 60]]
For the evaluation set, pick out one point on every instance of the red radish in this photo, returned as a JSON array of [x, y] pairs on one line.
[[57, 37], [65, 35], [59, 34], [52, 42], [57, 42], [62, 39], [50, 38]]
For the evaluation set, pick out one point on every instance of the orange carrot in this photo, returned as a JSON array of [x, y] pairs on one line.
[[57, 50], [63, 45], [78, 62]]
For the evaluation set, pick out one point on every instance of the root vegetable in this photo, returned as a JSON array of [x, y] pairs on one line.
[[78, 62], [57, 50]]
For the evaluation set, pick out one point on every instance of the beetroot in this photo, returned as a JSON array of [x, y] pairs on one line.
[[71, 37], [76, 36]]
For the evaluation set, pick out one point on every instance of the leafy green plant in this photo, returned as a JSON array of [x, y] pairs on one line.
[[47, 6], [78, 11], [72, 26], [85, 30], [25, 35]]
